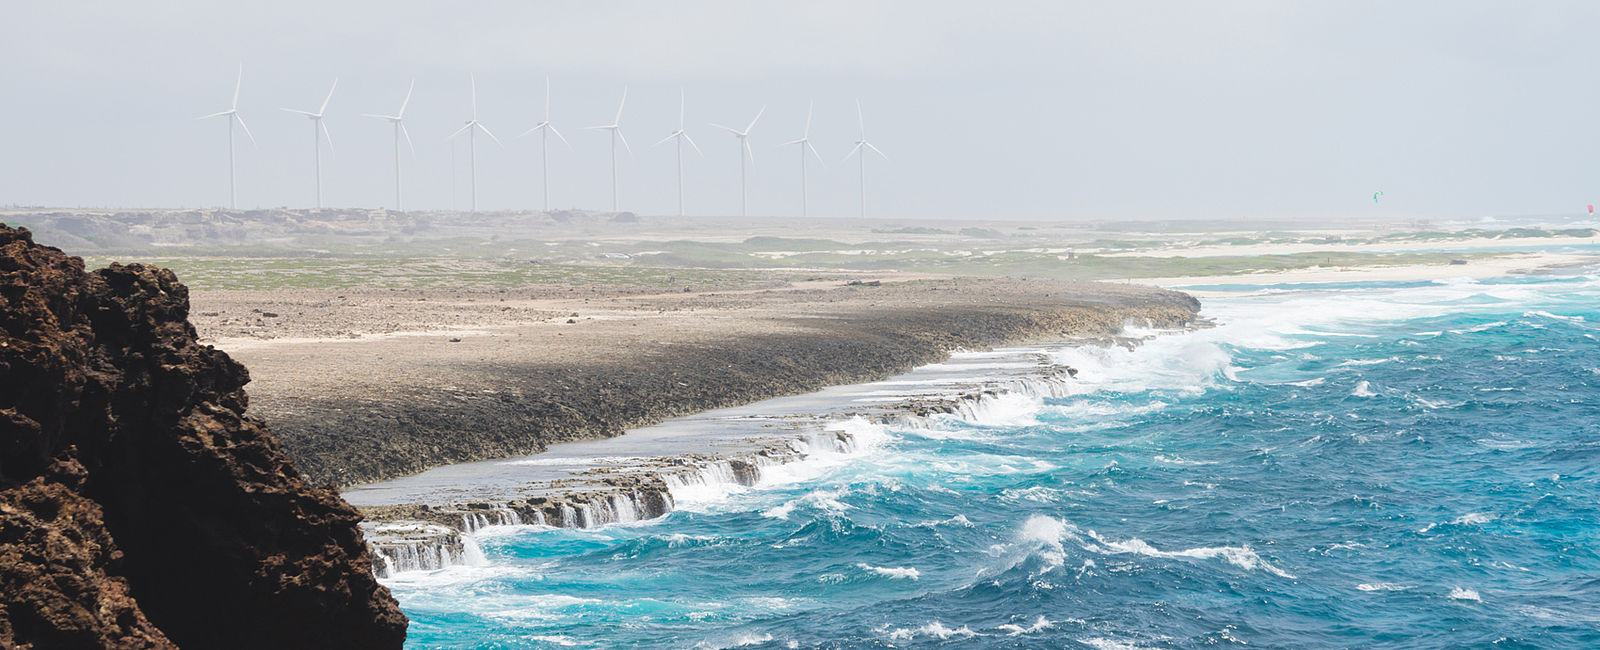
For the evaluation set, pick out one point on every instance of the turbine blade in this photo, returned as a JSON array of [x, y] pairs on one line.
[[491, 135], [324, 108], [460, 131], [236, 84], [407, 101], [818, 155], [809, 110], [621, 104], [305, 113], [600, 128], [217, 114], [879, 152], [800, 141], [552, 128], [692, 144], [406, 133], [753, 122], [749, 151], [624, 141], [862, 119], [853, 151], [327, 135], [547, 98], [529, 131], [728, 129], [474, 97], [663, 141], [391, 118], [246, 128], [680, 109]]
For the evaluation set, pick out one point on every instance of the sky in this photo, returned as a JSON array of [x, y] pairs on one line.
[[1051, 110]]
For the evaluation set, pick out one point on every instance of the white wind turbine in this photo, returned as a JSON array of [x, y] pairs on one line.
[[232, 114], [680, 135], [398, 120], [615, 127], [858, 149], [471, 129], [805, 145], [545, 128], [744, 143], [316, 136]]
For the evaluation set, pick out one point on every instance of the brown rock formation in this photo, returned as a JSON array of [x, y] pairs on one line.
[[139, 505]]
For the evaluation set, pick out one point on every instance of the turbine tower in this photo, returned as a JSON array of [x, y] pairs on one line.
[[471, 129], [680, 136], [232, 115], [615, 127], [398, 120], [861, 145], [744, 143], [545, 128], [805, 145], [318, 132]]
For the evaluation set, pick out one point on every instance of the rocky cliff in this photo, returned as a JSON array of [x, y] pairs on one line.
[[140, 507]]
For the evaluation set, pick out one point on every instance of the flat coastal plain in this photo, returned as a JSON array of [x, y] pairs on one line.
[[363, 385]]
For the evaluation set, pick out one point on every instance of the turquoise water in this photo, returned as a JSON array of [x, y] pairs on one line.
[[1373, 465]]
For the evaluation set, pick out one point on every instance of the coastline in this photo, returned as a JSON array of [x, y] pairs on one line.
[[358, 412], [428, 521], [1517, 264]]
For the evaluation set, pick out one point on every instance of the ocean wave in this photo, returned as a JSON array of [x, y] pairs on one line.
[[935, 629], [1239, 556], [1459, 593], [1038, 625], [1363, 389], [1381, 586], [897, 573]]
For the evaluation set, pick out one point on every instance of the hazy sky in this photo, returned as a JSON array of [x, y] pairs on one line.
[[1041, 110]]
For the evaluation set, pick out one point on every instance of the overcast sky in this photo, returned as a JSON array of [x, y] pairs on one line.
[[1038, 110]]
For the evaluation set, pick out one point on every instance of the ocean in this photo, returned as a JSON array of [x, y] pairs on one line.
[[1335, 465]]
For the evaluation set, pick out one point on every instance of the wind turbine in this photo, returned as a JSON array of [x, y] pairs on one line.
[[545, 128], [744, 142], [615, 127], [805, 145], [680, 136], [398, 120], [471, 129], [232, 114], [858, 149], [316, 137]]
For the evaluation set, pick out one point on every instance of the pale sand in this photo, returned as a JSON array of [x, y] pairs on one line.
[[1247, 250], [1479, 268]]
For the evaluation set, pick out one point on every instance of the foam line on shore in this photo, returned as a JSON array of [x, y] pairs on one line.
[[427, 538]]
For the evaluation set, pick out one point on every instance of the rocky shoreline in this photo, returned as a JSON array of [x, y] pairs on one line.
[[434, 532], [357, 411]]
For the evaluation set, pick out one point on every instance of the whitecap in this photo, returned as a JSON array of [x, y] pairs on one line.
[[897, 573], [1363, 389], [1458, 593], [1038, 625], [1381, 586], [1239, 556]]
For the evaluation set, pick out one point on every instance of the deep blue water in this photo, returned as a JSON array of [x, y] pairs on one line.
[[1374, 465]]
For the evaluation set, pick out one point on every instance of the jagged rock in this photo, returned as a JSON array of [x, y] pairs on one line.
[[140, 507]]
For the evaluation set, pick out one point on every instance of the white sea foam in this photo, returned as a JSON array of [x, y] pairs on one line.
[[1038, 625], [1363, 389], [1179, 460], [1101, 643], [898, 573], [935, 629], [1459, 593], [1381, 586], [1239, 556]]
